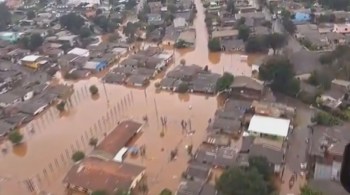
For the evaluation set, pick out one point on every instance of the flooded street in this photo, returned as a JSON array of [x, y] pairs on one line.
[[45, 155]]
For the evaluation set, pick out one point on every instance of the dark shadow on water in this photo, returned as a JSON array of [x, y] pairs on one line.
[[20, 149]]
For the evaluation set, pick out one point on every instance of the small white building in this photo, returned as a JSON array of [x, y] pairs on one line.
[[80, 52], [269, 126]]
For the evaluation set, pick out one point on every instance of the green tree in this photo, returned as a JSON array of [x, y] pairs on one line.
[[166, 191], [324, 118], [243, 32], [122, 192], [289, 26], [238, 181], [256, 44], [262, 166], [214, 45], [280, 73], [72, 22], [335, 4], [93, 141], [30, 14], [230, 7], [276, 41], [183, 87], [85, 32], [99, 192], [36, 40], [224, 82], [130, 30], [306, 190], [5, 16], [93, 90], [130, 4], [61, 106], [15, 137], [78, 156], [172, 8]]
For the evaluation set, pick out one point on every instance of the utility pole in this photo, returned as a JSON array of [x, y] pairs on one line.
[[105, 90], [156, 109]]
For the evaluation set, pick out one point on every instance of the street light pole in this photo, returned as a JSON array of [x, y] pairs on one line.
[[105, 90]]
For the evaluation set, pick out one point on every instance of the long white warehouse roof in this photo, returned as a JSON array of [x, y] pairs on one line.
[[269, 125]]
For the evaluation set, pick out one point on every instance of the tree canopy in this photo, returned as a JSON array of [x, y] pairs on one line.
[[99, 192], [78, 155], [72, 22], [224, 82], [15, 137], [5, 16], [336, 4], [214, 45], [306, 190], [30, 14], [279, 72], [256, 44], [130, 29], [289, 26], [32, 42], [243, 32], [276, 41], [166, 191], [338, 61], [324, 118], [239, 181], [105, 23], [230, 6]]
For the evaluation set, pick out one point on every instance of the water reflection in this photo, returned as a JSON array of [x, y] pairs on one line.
[[184, 97], [214, 58], [20, 150], [95, 97]]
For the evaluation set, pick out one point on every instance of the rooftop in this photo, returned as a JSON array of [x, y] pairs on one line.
[[119, 137], [269, 125], [247, 82], [96, 174]]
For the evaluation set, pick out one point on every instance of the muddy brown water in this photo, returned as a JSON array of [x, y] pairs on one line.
[[45, 155]]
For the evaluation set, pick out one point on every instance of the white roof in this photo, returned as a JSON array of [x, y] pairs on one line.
[[31, 58], [269, 125], [120, 154], [80, 52]]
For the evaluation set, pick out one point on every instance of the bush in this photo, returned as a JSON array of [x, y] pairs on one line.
[[15, 137], [93, 141], [324, 118], [93, 90], [99, 192], [166, 191], [78, 156], [61, 106]]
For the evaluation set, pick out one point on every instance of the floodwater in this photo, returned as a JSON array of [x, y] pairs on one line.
[[50, 140]]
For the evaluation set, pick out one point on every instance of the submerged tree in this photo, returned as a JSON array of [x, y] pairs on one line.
[[78, 156], [93, 90], [15, 137], [239, 181]]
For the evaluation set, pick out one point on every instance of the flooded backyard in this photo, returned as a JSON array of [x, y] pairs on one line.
[[45, 155]]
